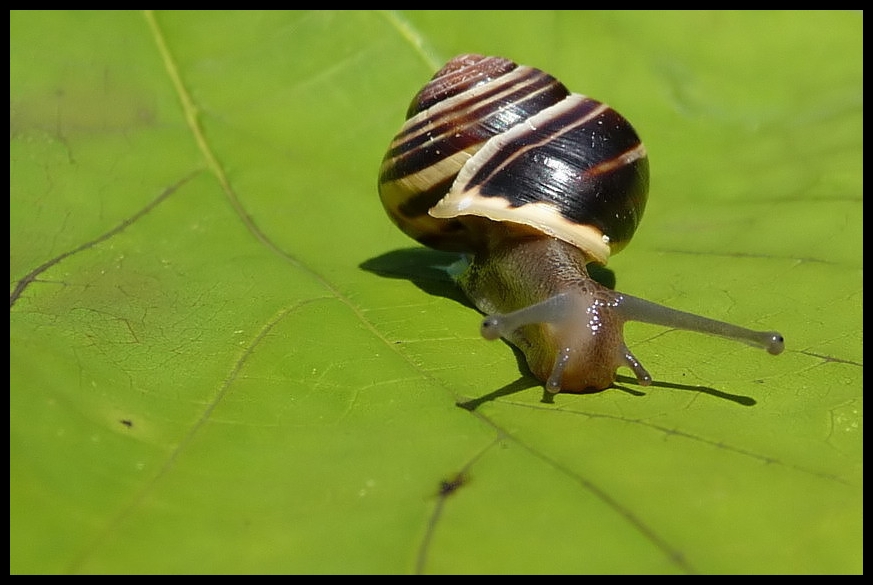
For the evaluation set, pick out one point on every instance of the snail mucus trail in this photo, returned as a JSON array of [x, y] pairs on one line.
[[500, 161]]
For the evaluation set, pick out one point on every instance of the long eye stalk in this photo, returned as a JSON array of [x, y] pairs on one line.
[[632, 308]]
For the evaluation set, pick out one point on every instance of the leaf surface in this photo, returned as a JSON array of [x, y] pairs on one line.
[[225, 358]]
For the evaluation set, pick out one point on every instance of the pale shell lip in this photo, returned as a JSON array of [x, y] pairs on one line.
[[545, 217]]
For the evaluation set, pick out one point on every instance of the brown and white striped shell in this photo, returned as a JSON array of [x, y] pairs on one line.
[[489, 138]]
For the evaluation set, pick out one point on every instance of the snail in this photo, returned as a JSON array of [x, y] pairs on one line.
[[533, 183]]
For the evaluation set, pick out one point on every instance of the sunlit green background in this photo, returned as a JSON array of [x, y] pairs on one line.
[[224, 357]]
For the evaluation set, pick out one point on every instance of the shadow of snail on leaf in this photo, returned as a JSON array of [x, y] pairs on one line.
[[429, 270]]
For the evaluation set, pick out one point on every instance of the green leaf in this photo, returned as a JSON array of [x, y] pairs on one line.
[[225, 358]]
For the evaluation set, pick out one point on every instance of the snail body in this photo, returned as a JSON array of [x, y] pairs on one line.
[[502, 162]]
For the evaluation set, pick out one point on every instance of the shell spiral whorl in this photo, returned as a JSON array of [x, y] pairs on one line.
[[487, 137]]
